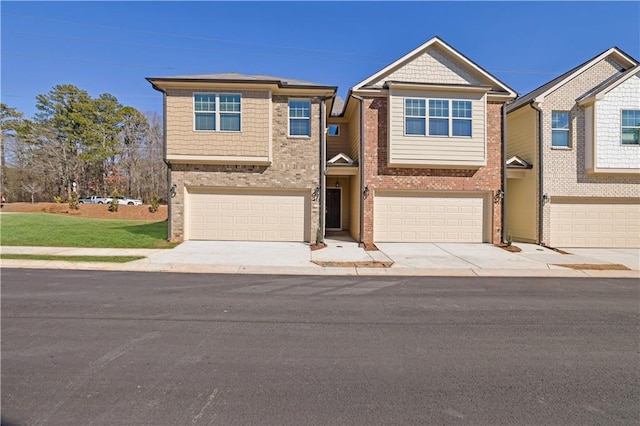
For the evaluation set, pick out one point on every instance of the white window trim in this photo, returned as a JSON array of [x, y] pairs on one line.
[[426, 117], [568, 130], [628, 127], [298, 118], [217, 112], [423, 117]]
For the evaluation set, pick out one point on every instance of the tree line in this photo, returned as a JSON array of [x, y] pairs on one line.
[[78, 144]]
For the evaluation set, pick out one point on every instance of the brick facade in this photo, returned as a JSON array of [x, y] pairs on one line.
[[378, 176], [295, 166], [564, 169]]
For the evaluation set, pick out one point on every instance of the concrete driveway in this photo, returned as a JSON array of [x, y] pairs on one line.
[[487, 256]]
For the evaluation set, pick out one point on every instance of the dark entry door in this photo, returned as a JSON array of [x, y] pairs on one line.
[[333, 208]]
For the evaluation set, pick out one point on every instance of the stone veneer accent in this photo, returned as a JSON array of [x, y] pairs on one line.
[[564, 168], [378, 176], [295, 166]]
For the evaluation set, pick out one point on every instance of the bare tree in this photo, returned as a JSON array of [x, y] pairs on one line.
[[32, 188]]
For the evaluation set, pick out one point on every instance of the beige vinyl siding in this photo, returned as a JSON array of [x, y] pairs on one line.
[[338, 144], [521, 193], [521, 222], [354, 136], [436, 150], [522, 130], [354, 207], [252, 141]]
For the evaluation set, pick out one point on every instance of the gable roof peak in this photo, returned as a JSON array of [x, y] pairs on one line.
[[437, 42], [539, 93]]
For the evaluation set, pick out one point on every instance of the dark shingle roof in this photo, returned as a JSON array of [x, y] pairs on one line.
[[525, 99], [241, 78]]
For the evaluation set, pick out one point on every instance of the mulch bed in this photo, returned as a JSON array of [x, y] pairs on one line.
[[95, 211], [595, 266]]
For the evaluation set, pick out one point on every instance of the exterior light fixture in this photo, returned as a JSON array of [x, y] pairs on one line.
[[172, 190], [337, 184], [365, 193], [499, 195], [545, 198], [315, 194]]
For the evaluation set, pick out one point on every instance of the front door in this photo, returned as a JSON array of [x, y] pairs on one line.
[[333, 208]]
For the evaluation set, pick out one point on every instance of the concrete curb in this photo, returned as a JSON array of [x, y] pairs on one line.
[[145, 266]]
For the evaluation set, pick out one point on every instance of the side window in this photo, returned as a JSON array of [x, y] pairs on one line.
[[630, 134], [560, 129], [299, 118], [333, 130]]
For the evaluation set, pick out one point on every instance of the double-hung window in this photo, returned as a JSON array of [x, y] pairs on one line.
[[415, 117], [217, 112], [560, 129], [630, 127], [299, 118], [461, 124], [446, 117], [438, 117]]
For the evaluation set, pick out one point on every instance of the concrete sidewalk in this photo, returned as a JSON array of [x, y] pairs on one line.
[[427, 259]]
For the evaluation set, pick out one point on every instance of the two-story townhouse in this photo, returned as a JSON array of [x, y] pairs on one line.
[[415, 154], [574, 157], [426, 134], [244, 157]]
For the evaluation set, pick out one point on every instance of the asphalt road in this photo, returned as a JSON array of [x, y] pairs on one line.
[[115, 348]]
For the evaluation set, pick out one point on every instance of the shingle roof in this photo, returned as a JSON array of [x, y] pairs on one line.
[[241, 78], [525, 99]]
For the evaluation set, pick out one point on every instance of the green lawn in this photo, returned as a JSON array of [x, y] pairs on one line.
[[51, 230]]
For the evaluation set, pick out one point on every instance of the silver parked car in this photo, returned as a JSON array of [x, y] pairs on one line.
[[129, 201]]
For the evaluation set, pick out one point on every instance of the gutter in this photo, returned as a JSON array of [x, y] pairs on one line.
[[361, 164], [540, 174]]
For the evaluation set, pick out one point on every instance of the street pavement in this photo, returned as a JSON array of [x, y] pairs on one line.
[[343, 256], [126, 348]]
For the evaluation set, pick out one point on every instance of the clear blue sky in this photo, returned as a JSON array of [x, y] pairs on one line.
[[110, 47]]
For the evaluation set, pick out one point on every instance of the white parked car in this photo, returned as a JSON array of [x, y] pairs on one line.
[[129, 201]]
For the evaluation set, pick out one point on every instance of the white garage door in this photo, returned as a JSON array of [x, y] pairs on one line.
[[428, 218], [264, 216], [595, 225]]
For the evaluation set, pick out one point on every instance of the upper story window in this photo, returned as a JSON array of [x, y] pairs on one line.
[[451, 118], [630, 127], [299, 118], [560, 129], [333, 130], [415, 117], [217, 112]]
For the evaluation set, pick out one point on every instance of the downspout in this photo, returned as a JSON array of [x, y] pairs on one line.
[[323, 169], [361, 169], [164, 155], [504, 173], [540, 174]]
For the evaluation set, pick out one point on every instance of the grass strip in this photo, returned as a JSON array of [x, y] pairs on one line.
[[52, 230], [106, 259]]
